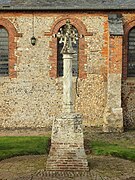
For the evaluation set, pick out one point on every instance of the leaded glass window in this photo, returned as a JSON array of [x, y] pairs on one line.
[[60, 56], [4, 51], [131, 53]]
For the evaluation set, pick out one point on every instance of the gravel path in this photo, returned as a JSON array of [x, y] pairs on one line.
[[31, 168]]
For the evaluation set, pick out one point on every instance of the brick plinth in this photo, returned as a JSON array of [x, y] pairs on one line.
[[67, 148]]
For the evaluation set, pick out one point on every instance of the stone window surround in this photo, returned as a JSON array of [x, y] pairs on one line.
[[127, 27], [12, 45], [82, 45]]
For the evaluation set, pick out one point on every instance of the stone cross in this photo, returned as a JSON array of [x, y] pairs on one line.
[[67, 145], [67, 36]]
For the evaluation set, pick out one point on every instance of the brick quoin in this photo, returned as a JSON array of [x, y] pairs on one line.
[[12, 45], [115, 59], [82, 44], [127, 27], [105, 50]]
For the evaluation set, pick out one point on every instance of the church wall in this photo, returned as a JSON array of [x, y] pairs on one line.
[[128, 83], [33, 98], [92, 90]]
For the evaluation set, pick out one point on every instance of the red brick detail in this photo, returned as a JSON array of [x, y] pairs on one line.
[[12, 45], [82, 45], [115, 56], [105, 51], [127, 27], [64, 157]]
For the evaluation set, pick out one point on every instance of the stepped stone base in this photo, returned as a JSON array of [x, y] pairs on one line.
[[67, 146]]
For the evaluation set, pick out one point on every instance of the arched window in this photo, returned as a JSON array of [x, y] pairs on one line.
[[4, 52], [60, 56], [131, 53]]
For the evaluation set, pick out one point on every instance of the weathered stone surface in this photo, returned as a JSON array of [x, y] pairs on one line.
[[67, 84], [67, 147], [24, 98], [128, 103], [113, 115], [113, 120], [33, 99], [92, 90], [128, 83], [115, 24]]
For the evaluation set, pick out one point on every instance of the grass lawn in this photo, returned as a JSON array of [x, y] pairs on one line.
[[36, 145], [17, 146], [116, 150]]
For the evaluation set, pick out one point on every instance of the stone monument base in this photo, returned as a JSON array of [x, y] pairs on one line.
[[67, 145]]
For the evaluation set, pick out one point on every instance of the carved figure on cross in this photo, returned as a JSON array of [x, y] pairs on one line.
[[67, 36]]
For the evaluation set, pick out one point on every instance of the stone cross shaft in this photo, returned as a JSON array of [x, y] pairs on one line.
[[67, 36], [67, 146]]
